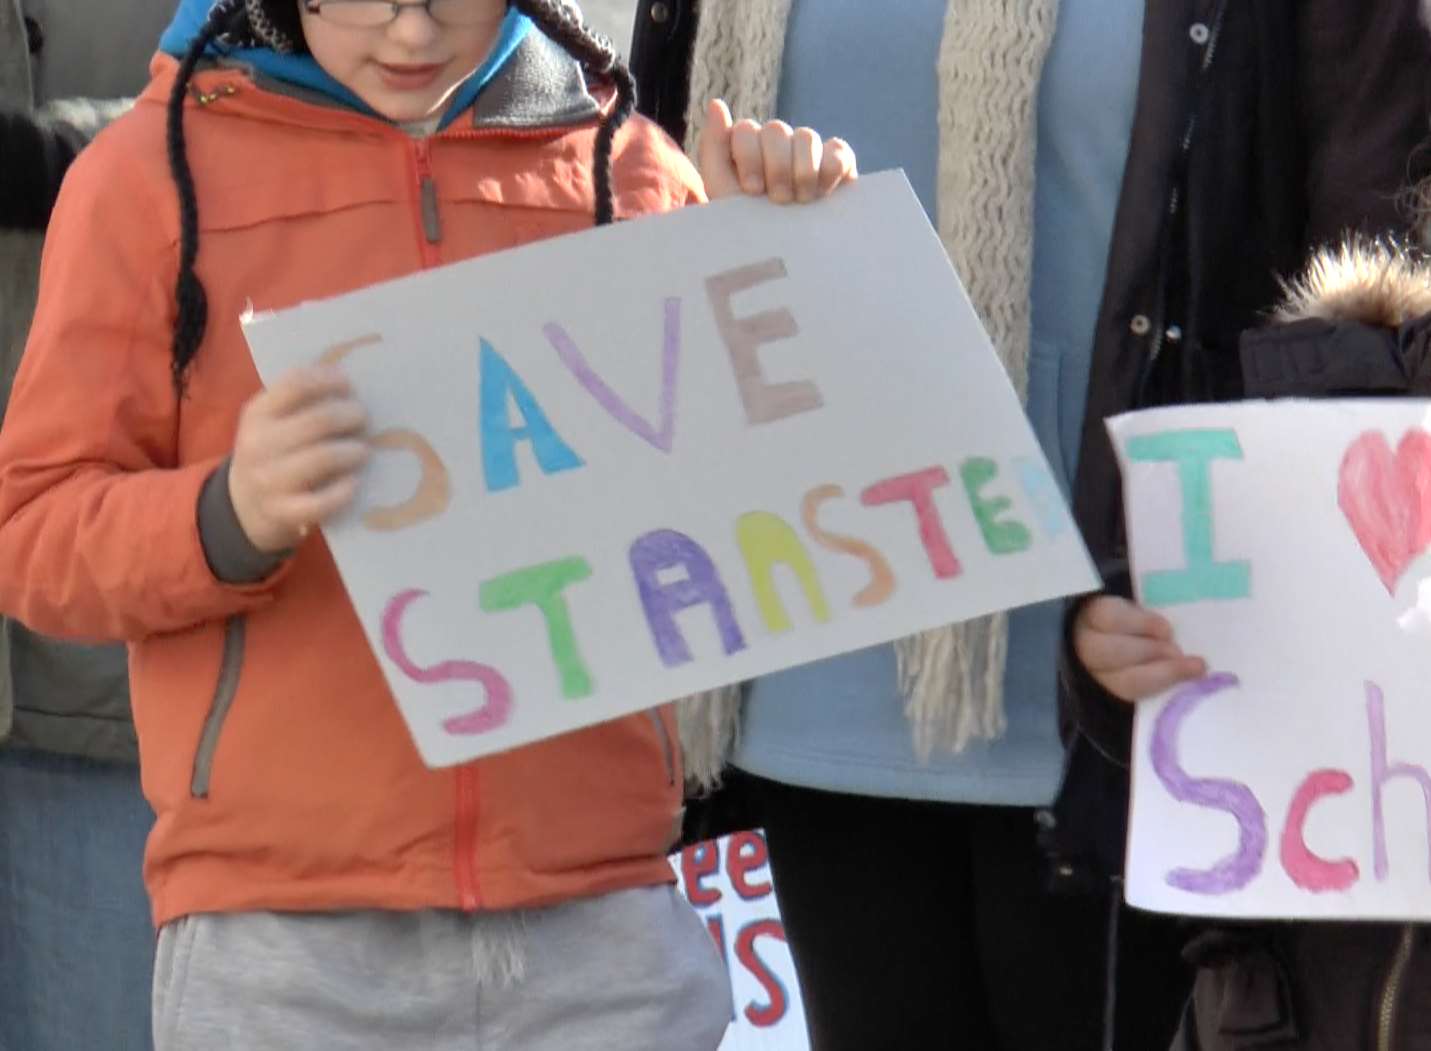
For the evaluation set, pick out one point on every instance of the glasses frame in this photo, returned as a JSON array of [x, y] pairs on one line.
[[396, 7]]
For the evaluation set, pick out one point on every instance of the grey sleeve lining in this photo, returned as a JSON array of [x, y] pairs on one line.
[[231, 555]]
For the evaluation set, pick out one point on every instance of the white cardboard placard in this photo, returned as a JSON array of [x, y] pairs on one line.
[[623, 466], [1285, 542]]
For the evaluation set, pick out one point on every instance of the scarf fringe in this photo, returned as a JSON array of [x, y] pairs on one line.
[[952, 683]]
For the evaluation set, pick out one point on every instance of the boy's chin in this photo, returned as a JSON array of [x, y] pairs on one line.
[[403, 111], [403, 107]]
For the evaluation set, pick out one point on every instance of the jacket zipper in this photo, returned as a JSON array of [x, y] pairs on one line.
[[464, 847], [1175, 201], [429, 212], [429, 217], [230, 665], [429, 226], [1391, 991], [468, 892]]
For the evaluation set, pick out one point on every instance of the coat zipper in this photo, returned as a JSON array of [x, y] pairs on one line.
[[429, 211], [429, 217], [468, 892], [1175, 201], [230, 665], [429, 230], [429, 227], [1391, 991]]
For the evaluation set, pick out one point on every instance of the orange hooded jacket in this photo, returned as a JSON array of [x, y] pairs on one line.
[[281, 773]]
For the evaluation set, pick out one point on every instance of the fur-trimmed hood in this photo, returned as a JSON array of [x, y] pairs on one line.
[[1356, 323], [1373, 283]]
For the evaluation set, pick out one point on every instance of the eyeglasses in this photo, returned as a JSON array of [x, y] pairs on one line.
[[372, 14]]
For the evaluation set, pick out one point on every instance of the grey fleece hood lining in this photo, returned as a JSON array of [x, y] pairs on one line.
[[540, 86]]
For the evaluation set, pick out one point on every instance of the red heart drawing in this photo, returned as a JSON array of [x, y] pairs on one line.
[[1387, 499]]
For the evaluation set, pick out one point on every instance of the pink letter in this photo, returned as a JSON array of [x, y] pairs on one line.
[[1306, 869], [918, 489], [490, 716]]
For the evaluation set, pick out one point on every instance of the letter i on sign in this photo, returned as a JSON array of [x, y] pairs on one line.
[[1203, 577]]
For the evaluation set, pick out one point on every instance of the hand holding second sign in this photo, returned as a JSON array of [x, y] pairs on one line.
[[773, 160], [1130, 650], [296, 458]]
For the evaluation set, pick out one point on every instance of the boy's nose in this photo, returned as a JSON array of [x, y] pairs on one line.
[[414, 27]]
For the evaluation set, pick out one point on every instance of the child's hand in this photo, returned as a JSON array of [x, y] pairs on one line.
[[296, 457], [1130, 651], [786, 164]]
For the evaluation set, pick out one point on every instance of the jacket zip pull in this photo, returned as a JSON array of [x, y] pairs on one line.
[[1391, 990], [427, 189]]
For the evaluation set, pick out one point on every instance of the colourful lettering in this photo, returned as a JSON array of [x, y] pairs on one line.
[[882, 582], [762, 1016], [665, 549], [1044, 496], [542, 586], [1305, 868], [662, 438], [500, 385], [715, 927], [1193, 451], [434, 487], [1240, 868], [765, 540], [918, 489], [337, 353], [697, 863], [745, 854], [764, 402], [493, 714], [1001, 537], [1381, 772]]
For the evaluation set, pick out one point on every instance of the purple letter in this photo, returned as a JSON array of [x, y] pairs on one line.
[[666, 549], [1236, 870], [612, 402], [1382, 773]]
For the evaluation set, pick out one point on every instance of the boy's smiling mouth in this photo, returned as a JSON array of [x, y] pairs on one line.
[[410, 76]]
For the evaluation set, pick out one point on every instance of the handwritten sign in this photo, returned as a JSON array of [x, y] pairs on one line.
[[620, 467], [1287, 543], [728, 882]]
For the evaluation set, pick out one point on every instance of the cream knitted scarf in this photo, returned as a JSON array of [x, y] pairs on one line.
[[990, 63]]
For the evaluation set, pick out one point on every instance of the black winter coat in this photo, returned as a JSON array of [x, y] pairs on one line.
[[1263, 129]]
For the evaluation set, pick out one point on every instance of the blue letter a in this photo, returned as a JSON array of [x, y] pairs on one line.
[[499, 438]]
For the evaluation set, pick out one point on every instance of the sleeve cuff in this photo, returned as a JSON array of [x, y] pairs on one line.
[[232, 557]]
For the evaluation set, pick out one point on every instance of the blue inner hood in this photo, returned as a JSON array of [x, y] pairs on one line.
[[303, 72]]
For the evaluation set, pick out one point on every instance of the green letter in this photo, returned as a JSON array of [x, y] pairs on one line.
[[542, 587], [1193, 452], [1001, 538]]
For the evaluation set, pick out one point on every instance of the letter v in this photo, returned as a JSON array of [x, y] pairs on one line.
[[612, 402]]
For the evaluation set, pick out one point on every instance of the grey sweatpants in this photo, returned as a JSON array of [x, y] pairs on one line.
[[631, 971]]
